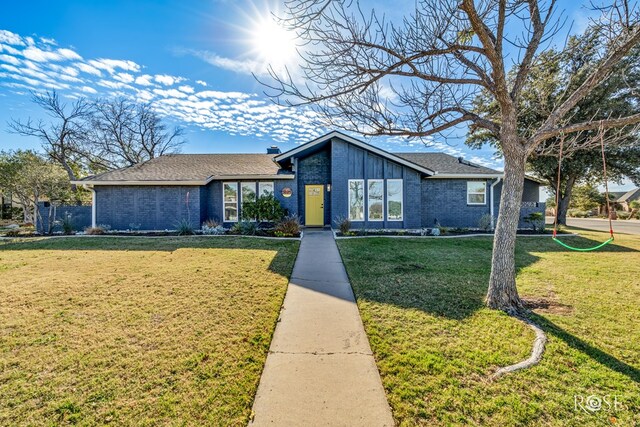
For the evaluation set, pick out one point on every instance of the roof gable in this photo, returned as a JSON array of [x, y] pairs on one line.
[[348, 139]]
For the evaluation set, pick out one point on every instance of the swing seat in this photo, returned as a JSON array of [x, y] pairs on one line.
[[593, 248]]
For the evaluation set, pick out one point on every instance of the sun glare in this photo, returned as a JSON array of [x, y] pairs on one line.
[[272, 43]]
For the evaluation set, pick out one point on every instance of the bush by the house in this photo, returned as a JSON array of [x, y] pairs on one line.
[[535, 220], [184, 228], [212, 228], [95, 231], [623, 215], [264, 209], [289, 226], [485, 222], [67, 225], [344, 225], [244, 228], [577, 213]]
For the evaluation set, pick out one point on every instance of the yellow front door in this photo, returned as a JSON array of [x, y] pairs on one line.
[[314, 205]]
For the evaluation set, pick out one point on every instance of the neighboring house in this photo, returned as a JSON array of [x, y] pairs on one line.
[[334, 176], [625, 200]]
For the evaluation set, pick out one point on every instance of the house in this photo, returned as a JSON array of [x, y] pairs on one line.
[[624, 201], [330, 177]]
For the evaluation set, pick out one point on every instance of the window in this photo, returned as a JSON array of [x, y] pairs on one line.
[[375, 199], [248, 191], [265, 189], [356, 199], [394, 200], [230, 201], [476, 192]]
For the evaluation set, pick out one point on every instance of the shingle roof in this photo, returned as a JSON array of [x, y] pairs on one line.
[[193, 167], [445, 164], [630, 196]]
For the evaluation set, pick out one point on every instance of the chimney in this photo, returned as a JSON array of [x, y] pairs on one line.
[[273, 150]]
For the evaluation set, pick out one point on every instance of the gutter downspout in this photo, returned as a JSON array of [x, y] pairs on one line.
[[93, 205], [493, 219]]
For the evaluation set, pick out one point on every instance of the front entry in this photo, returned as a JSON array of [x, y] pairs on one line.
[[314, 205]]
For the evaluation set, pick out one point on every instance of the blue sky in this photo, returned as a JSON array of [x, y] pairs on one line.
[[192, 59]]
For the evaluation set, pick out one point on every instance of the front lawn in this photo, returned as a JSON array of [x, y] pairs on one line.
[[436, 345], [137, 331]]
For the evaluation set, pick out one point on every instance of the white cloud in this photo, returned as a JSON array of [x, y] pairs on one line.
[[10, 38], [88, 89], [144, 80], [110, 65], [10, 59], [124, 77], [167, 80], [242, 66], [201, 82], [89, 69], [36, 54], [187, 89]]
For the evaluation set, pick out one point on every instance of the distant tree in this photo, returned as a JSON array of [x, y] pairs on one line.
[[94, 136], [62, 138], [553, 77], [125, 132], [419, 77], [587, 197], [31, 178]]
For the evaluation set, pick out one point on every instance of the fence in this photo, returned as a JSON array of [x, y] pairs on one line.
[[78, 216]]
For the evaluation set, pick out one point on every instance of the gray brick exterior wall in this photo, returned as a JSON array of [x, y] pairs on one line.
[[445, 201], [147, 207]]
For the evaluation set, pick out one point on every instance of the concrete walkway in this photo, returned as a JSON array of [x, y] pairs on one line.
[[320, 370]]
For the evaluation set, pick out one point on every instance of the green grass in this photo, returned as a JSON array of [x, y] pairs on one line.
[[135, 331], [436, 344]]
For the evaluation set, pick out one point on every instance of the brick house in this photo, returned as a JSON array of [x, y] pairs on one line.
[[330, 177]]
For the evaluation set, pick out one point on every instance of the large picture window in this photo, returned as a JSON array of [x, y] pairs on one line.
[[375, 199], [230, 201], [476, 192], [356, 199], [394, 200], [265, 189]]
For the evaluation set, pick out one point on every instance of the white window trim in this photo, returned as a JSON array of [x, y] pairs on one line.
[[484, 193], [261, 183], [224, 202], [382, 201], [364, 206], [401, 199]]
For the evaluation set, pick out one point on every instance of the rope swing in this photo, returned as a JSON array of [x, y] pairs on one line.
[[606, 192]]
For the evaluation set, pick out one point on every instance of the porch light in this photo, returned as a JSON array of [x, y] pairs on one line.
[[328, 188]]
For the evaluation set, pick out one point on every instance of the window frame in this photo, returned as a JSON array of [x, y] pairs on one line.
[[380, 180], [224, 202], [349, 199], [401, 181], [241, 184], [483, 193]]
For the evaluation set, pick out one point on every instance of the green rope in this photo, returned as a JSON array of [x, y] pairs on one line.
[[583, 249]]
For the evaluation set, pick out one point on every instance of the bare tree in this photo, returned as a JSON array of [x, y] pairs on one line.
[[63, 137], [431, 67], [124, 133]]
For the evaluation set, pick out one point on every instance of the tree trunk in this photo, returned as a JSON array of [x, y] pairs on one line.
[[502, 293], [564, 200]]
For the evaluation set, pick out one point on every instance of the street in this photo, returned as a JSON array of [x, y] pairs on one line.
[[598, 224]]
